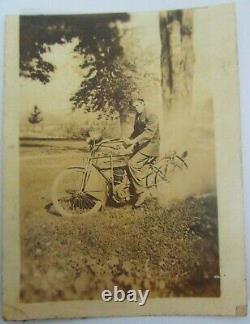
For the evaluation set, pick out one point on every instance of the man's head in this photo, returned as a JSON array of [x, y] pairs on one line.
[[138, 105]]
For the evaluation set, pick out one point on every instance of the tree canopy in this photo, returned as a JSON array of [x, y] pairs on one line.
[[105, 84]]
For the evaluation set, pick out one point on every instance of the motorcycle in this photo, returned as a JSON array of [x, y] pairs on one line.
[[103, 179]]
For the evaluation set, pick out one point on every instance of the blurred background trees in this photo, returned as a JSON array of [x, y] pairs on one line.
[[122, 56], [105, 85], [35, 116]]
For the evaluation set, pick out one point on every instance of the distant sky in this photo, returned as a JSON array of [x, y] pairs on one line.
[[147, 28], [55, 95]]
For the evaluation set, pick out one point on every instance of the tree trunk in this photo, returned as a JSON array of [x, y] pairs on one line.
[[177, 58]]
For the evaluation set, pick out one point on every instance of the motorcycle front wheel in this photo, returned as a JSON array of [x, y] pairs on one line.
[[71, 194]]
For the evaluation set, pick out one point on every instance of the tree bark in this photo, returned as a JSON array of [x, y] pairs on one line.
[[177, 58]]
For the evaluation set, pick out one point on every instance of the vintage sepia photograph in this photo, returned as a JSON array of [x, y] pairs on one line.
[[116, 157]]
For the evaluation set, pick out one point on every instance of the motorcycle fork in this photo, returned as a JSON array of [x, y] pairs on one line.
[[85, 174], [112, 173]]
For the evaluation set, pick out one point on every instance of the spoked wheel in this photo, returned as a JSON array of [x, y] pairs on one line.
[[71, 195], [163, 170], [157, 173]]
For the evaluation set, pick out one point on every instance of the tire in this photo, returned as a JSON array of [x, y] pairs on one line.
[[68, 198], [164, 171], [156, 173]]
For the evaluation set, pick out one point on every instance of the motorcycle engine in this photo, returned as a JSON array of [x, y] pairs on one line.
[[121, 192]]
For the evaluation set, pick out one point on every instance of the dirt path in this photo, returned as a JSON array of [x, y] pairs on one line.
[[46, 157]]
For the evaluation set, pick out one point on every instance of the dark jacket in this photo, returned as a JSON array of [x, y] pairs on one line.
[[146, 133]]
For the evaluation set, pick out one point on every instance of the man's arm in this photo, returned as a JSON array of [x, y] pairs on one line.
[[149, 131]]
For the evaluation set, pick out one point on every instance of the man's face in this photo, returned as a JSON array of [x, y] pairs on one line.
[[138, 106]]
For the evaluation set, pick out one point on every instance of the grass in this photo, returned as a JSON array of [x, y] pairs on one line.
[[171, 250]]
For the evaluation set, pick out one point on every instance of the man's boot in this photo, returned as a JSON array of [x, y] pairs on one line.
[[141, 199]]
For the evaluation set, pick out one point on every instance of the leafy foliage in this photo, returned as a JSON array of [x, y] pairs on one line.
[[105, 85], [109, 88]]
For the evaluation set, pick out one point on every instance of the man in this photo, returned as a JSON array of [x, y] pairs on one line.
[[145, 141]]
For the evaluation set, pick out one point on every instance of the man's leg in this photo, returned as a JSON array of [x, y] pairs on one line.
[[137, 166]]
